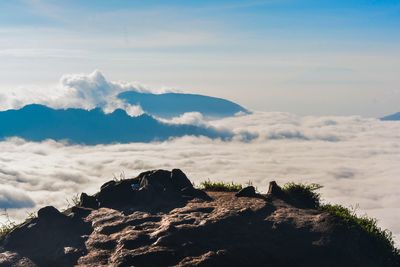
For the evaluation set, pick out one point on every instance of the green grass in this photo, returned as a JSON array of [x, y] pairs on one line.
[[6, 226], [304, 193], [367, 224], [220, 186], [307, 193]]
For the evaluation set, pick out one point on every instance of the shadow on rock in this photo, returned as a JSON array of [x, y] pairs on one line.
[[54, 234], [160, 190]]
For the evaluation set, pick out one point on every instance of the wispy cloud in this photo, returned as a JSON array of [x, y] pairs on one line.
[[42, 53]]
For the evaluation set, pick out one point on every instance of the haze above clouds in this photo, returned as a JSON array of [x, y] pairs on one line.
[[305, 57]]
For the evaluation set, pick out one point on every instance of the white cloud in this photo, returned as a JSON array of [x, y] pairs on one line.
[[77, 91], [193, 118], [93, 90], [356, 159], [12, 198]]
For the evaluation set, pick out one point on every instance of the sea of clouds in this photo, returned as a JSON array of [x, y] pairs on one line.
[[356, 159]]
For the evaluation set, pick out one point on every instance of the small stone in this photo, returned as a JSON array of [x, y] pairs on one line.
[[88, 201], [195, 193], [275, 190], [248, 191], [49, 212], [179, 179]]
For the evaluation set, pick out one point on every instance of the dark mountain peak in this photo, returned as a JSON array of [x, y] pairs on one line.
[[392, 117], [35, 107], [119, 113], [169, 105], [37, 123]]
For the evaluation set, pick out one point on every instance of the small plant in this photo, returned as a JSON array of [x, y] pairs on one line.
[[6, 226], [31, 215], [307, 195], [220, 186], [75, 200], [120, 177], [369, 225], [304, 193], [249, 183]]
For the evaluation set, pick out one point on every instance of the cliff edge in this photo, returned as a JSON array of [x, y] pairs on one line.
[[160, 219]]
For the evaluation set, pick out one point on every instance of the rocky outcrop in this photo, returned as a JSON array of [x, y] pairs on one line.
[[52, 237], [152, 186], [160, 219]]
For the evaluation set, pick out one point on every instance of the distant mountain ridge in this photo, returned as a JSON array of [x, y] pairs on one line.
[[170, 105], [392, 117], [38, 122]]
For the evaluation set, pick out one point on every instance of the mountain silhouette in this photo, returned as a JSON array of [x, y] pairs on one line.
[[392, 117], [37, 123], [170, 105]]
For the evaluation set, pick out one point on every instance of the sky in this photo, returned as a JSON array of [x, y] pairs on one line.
[[316, 73], [301, 56]]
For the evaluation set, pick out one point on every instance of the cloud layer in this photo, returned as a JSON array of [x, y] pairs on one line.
[[356, 160]]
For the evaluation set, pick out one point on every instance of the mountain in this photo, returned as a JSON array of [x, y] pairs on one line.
[[392, 117], [38, 122], [160, 219], [170, 105]]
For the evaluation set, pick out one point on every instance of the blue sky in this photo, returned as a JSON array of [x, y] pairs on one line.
[[307, 57]]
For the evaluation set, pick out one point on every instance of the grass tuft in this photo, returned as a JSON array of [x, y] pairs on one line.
[[383, 237], [74, 201], [304, 193], [220, 186], [120, 177], [6, 226]]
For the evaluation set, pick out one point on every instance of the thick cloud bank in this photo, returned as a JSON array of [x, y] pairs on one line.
[[356, 159]]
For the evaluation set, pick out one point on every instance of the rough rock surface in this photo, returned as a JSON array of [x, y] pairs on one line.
[[159, 219]]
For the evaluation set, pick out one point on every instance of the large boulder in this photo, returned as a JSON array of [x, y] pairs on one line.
[[160, 180], [179, 179], [51, 233], [88, 201], [115, 193], [147, 187]]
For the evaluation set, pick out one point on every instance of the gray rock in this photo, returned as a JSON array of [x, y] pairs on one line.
[[248, 191]]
